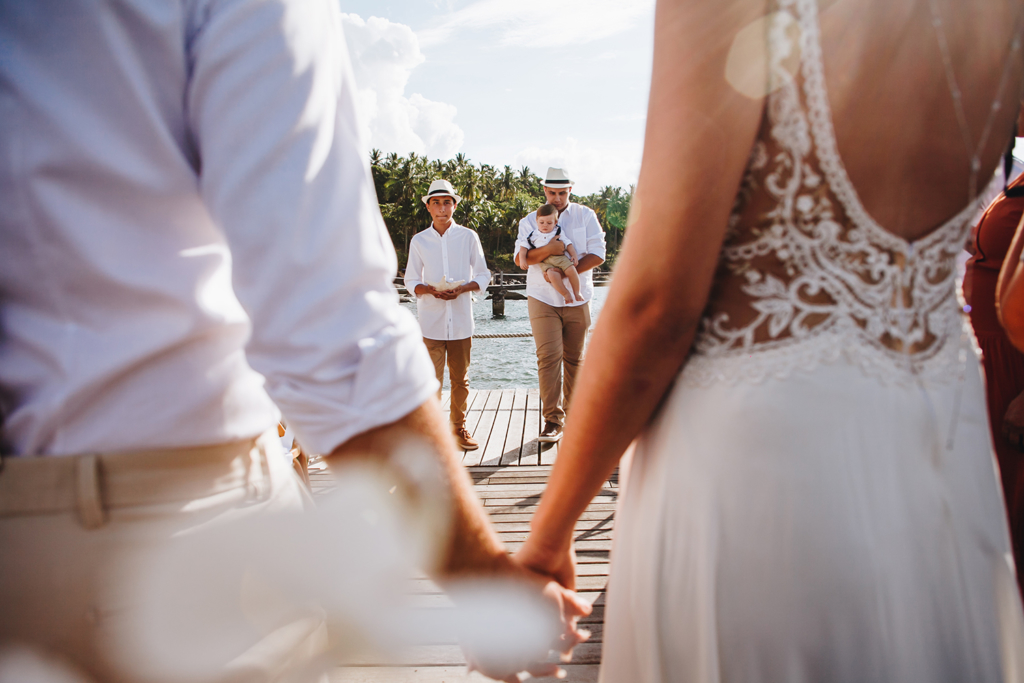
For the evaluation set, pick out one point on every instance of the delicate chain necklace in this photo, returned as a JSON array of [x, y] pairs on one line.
[[954, 88]]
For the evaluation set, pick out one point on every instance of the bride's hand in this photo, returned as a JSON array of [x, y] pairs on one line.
[[557, 562], [567, 608]]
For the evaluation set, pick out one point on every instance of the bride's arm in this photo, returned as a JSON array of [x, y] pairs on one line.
[[699, 134]]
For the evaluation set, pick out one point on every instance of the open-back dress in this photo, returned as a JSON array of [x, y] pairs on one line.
[[817, 499]]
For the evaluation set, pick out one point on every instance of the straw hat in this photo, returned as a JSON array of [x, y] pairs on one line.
[[556, 178], [441, 188]]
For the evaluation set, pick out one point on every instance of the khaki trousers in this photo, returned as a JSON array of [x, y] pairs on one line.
[[74, 530], [457, 352], [559, 333]]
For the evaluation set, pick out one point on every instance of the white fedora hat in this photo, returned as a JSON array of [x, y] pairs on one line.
[[441, 188], [556, 177]]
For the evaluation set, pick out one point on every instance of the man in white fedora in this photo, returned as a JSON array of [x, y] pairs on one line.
[[446, 263], [559, 329]]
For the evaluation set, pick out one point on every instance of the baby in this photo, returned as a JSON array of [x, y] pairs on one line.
[[554, 266]]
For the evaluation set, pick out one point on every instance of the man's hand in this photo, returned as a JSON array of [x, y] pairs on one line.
[[566, 607], [426, 290], [552, 248]]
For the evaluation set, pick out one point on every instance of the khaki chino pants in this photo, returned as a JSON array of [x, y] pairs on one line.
[[74, 529], [560, 333], [456, 352]]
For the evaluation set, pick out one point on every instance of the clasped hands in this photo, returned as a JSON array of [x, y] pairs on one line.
[[446, 295], [565, 606], [553, 571]]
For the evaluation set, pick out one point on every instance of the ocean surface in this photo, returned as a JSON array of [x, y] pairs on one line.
[[507, 363]]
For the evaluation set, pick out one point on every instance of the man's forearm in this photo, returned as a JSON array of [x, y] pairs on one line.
[[535, 256], [473, 545], [589, 262]]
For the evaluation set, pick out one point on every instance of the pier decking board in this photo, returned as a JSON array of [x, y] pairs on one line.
[[510, 484]]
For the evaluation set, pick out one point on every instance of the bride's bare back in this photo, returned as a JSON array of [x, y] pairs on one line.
[[843, 238], [891, 101]]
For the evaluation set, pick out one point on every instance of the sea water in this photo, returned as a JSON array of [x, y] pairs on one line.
[[507, 363]]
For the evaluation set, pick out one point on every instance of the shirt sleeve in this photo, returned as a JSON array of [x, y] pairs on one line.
[[414, 268], [270, 105], [524, 232], [595, 236], [478, 264], [565, 238]]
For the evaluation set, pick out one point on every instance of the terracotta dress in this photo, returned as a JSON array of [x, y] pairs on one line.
[[1003, 364]]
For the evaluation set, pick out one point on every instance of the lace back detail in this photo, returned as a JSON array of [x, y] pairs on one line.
[[806, 275]]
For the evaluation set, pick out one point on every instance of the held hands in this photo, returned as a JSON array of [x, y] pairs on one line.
[[565, 608], [556, 561]]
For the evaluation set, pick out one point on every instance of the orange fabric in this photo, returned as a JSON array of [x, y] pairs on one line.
[[1004, 364]]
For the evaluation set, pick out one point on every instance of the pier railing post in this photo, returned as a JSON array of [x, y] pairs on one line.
[[498, 296]]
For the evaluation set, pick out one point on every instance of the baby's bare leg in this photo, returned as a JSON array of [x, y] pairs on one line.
[[554, 276], [574, 281]]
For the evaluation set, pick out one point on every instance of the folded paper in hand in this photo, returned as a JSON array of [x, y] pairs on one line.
[[443, 286]]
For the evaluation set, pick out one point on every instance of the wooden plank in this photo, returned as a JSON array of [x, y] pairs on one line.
[[493, 399], [548, 453], [531, 428], [514, 436], [451, 655], [507, 399], [496, 441], [499, 506], [481, 434], [576, 673]]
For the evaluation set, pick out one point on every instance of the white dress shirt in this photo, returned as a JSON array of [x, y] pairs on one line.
[[580, 224], [541, 239], [455, 255], [189, 232]]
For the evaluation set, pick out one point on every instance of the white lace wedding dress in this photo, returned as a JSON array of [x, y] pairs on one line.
[[817, 500]]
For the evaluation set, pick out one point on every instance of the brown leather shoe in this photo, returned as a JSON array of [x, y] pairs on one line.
[[552, 433], [465, 441]]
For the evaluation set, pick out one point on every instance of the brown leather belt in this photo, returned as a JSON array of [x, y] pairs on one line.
[[93, 483]]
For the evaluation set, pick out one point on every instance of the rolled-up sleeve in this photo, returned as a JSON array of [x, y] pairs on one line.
[[595, 236], [478, 264], [413, 269], [270, 104], [524, 233]]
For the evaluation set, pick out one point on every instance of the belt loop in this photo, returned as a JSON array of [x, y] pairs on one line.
[[87, 492]]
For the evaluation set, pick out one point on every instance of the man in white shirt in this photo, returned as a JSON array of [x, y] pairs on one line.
[[559, 329], [446, 263], [190, 246]]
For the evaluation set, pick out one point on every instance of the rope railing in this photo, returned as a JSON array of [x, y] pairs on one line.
[[510, 335]]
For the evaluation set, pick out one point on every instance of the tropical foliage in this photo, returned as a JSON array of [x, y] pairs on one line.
[[493, 201]]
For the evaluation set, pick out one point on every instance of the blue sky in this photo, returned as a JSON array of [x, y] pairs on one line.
[[517, 82]]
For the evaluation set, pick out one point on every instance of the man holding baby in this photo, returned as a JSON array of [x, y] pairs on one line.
[[446, 263], [559, 290]]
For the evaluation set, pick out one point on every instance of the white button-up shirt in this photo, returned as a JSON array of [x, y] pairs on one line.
[[580, 224], [189, 232], [455, 255]]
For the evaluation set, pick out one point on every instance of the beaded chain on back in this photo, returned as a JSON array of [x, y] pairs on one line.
[[973, 151]]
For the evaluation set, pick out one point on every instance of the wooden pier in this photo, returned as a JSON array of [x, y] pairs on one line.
[[510, 470]]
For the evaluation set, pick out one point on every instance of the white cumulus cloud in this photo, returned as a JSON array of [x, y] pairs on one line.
[[542, 23], [384, 54], [589, 168]]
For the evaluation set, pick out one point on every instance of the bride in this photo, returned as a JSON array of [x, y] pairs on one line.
[[813, 494]]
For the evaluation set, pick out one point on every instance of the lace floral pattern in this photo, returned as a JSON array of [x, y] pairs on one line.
[[806, 276]]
